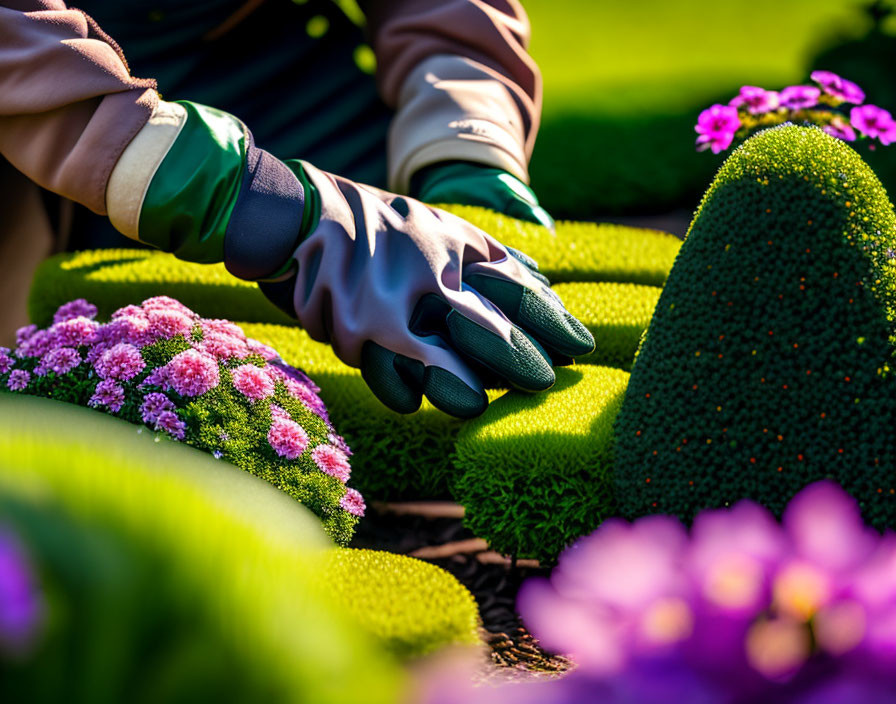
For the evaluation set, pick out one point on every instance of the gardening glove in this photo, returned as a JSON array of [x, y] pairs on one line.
[[422, 301], [468, 183]]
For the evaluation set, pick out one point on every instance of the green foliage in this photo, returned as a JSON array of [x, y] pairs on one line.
[[171, 577], [616, 314], [536, 470], [411, 606], [767, 364]]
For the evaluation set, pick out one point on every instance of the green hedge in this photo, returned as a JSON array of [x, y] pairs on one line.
[[616, 314], [411, 606], [113, 277], [228, 561], [767, 364], [536, 471]]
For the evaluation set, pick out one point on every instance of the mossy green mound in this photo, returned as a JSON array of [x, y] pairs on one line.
[[767, 364], [616, 314], [411, 606], [536, 471], [229, 563]]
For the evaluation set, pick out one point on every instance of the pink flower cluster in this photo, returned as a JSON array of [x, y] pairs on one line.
[[111, 361], [823, 104]]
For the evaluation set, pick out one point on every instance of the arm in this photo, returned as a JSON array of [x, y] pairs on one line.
[[68, 104], [462, 84]]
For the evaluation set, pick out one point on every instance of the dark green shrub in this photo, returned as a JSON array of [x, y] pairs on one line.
[[535, 472], [768, 362]]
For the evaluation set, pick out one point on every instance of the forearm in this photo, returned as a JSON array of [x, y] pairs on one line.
[[463, 86], [68, 104]]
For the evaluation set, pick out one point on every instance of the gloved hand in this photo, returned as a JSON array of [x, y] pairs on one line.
[[422, 301], [468, 183]]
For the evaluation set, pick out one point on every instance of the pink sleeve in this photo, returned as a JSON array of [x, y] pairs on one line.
[[490, 38], [68, 104]]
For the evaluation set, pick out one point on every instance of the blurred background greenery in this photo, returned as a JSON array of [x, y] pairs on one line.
[[624, 83]]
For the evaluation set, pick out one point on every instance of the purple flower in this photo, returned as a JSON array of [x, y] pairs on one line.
[[75, 309], [223, 346], [840, 129], [872, 121], [170, 423], [122, 361], [800, 97], [339, 442], [74, 332], [18, 379], [165, 324], [6, 361], [107, 393], [757, 100], [21, 608], [213, 326], [838, 87], [153, 404], [353, 502], [192, 373], [25, 333], [36, 345], [132, 329], [61, 360], [267, 353]]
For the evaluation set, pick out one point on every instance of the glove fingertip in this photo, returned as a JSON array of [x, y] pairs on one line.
[[381, 370], [451, 395]]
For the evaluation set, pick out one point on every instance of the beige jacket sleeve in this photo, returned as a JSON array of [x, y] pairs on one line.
[[460, 80], [68, 104]]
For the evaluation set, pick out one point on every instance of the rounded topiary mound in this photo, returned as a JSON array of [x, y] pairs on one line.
[[767, 364]]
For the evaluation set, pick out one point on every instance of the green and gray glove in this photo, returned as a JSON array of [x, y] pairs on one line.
[[468, 183], [422, 301]]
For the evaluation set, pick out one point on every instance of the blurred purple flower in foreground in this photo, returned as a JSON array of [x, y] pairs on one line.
[[21, 608], [741, 609], [716, 127], [873, 121], [839, 87]]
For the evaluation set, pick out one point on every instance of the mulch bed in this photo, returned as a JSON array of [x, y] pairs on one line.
[[434, 531]]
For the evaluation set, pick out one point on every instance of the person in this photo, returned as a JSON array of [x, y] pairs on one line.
[[422, 301]]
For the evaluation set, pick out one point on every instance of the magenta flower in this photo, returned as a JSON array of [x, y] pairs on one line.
[[154, 404], [889, 136], [278, 413], [872, 121], [129, 312], [757, 100], [339, 442], [840, 129], [332, 461], [6, 361], [192, 373], [222, 327], [108, 393], [267, 353], [74, 332], [252, 382], [716, 127], [800, 97], [288, 438], [170, 423], [132, 329], [18, 379], [165, 324], [61, 360], [838, 87], [122, 361], [353, 502], [21, 608]]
